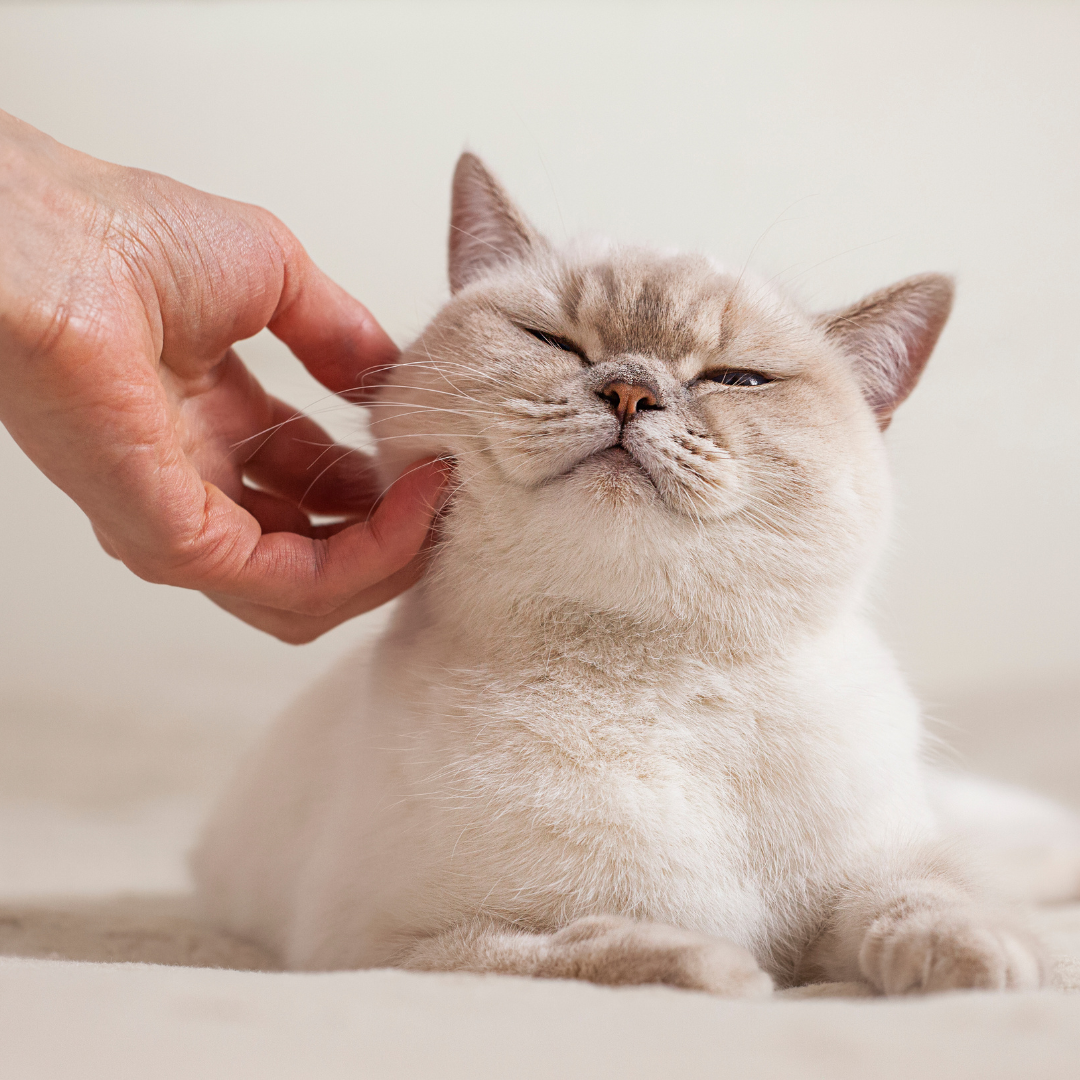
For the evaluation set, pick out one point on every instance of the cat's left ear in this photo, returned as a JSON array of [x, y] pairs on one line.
[[486, 229], [889, 336]]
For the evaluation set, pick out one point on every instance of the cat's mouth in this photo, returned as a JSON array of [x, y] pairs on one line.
[[687, 480], [618, 456], [615, 463]]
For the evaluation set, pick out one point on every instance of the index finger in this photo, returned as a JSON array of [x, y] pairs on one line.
[[335, 337]]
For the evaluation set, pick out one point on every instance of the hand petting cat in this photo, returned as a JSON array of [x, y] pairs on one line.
[[121, 295]]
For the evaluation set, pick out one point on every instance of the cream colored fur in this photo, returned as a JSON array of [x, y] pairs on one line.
[[633, 726]]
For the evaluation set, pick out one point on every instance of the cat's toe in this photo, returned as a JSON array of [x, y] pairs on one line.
[[727, 970], [933, 952]]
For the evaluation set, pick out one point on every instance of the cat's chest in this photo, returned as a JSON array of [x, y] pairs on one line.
[[679, 796], [633, 759], [666, 803]]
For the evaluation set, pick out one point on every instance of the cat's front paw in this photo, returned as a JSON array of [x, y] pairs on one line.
[[617, 951], [930, 951]]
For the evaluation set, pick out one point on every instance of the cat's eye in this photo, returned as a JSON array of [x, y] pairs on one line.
[[736, 377], [556, 342]]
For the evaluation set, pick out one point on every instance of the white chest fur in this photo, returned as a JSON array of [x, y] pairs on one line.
[[716, 799]]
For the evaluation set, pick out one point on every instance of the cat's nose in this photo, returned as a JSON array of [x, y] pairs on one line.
[[627, 398]]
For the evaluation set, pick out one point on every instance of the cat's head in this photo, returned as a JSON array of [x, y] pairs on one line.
[[641, 432]]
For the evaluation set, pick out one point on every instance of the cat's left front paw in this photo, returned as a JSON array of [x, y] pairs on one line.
[[931, 951]]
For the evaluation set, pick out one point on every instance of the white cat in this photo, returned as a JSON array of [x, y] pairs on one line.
[[633, 725]]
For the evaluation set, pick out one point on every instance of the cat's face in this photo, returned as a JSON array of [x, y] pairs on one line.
[[645, 412], [644, 384]]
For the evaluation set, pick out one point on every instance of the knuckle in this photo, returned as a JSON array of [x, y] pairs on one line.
[[315, 607], [193, 558], [320, 599], [288, 627], [150, 570]]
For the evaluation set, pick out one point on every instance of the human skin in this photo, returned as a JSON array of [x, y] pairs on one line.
[[122, 293]]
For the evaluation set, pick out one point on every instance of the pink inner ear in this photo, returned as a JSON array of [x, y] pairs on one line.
[[890, 335], [486, 229]]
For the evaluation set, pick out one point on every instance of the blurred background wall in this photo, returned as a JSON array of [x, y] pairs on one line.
[[834, 146]]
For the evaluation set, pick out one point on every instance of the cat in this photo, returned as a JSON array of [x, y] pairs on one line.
[[633, 725]]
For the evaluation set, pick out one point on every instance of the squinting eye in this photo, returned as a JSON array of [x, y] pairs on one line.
[[556, 342], [735, 377]]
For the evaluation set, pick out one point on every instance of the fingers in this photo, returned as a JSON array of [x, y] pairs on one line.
[[297, 629], [279, 515], [304, 575], [274, 514], [219, 271], [117, 388], [334, 336], [299, 462]]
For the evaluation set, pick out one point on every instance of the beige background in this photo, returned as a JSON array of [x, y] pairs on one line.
[[835, 146]]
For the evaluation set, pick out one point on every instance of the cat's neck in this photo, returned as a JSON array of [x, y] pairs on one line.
[[635, 595], [484, 622]]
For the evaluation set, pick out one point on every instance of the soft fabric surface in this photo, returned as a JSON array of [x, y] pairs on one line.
[[118, 1021], [105, 973]]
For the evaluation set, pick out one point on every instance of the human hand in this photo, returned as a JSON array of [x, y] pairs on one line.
[[121, 295]]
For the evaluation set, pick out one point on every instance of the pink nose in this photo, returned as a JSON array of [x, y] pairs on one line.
[[628, 398]]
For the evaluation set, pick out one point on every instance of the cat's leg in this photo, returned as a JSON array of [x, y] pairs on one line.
[[606, 949], [912, 924]]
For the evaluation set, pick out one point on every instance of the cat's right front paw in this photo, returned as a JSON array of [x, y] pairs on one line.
[[617, 951], [931, 951]]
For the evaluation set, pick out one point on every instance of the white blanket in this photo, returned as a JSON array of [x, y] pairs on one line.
[[69, 1020], [96, 984]]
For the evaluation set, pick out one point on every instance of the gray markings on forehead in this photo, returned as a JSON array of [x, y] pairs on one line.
[[650, 311], [573, 287]]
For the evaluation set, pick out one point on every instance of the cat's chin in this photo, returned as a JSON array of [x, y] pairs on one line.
[[615, 477]]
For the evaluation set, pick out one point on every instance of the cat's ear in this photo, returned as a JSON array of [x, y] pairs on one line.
[[889, 336], [486, 229]]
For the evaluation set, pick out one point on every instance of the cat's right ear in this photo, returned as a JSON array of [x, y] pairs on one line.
[[486, 229]]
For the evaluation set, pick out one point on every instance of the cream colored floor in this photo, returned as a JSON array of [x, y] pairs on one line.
[[99, 806]]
